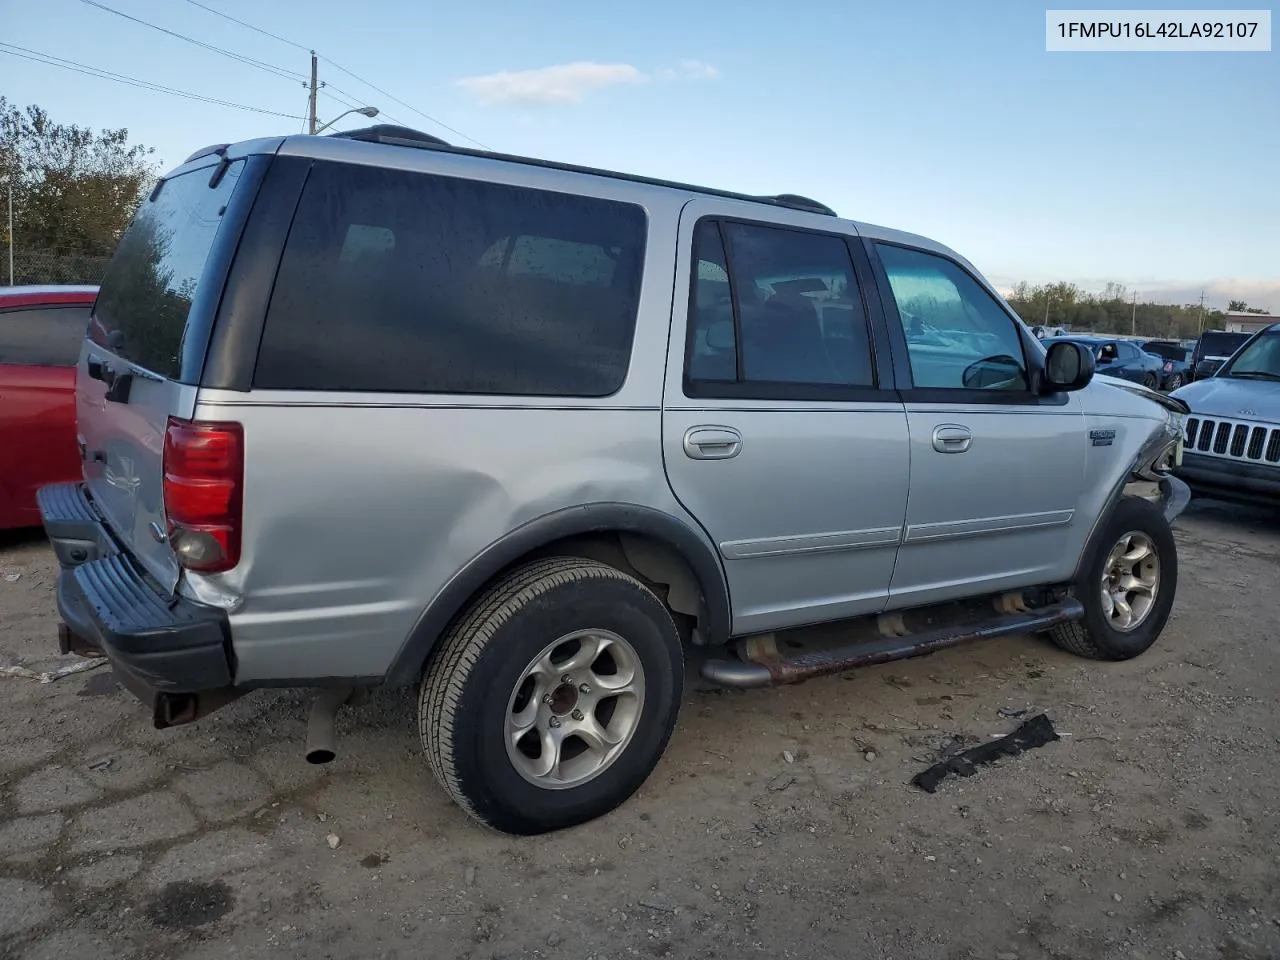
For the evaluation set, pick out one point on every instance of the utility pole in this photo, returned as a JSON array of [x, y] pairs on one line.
[[1200, 325], [1133, 321], [10, 227], [311, 107]]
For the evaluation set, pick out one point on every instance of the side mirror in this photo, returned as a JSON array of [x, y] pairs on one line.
[[1067, 366]]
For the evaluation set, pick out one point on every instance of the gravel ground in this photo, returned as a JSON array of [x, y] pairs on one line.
[[781, 823]]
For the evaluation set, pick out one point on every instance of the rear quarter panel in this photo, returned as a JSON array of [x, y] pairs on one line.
[[359, 508]]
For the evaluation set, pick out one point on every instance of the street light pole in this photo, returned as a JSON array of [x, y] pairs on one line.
[[11, 228], [311, 103], [363, 111]]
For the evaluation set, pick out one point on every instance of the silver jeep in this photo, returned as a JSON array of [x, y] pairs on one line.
[[369, 409]]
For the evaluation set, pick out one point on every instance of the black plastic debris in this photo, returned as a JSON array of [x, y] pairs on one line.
[[1036, 732]]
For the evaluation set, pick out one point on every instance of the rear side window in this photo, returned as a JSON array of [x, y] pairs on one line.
[[43, 336], [774, 313], [142, 308], [401, 282]]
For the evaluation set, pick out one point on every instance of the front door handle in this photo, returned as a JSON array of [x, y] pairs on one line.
[[712, 443], [951, 438]]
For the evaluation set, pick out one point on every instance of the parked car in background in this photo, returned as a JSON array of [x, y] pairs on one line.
[[1176, 369], [1212, 350], [1119, 358], [1232, 445], [41, 329]]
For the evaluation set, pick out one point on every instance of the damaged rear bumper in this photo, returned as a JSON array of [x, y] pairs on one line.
[[172, 653]]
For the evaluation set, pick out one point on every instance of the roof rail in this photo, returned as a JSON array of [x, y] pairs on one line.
[[408, 137], [797, 202], [391, 133]]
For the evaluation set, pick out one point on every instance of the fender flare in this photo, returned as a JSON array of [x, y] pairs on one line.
[[606, 517]]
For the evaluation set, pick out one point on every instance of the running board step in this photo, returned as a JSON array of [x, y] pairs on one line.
[[761, 664]]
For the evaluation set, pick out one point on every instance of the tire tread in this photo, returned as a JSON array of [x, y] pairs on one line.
[[460, 648]]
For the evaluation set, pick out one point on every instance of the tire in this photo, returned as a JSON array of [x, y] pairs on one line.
[[1173, 383], [479, 676], [1150, 381], [1097, 636]]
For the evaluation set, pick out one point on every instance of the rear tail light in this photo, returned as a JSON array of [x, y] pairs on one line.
[[203, 481], [1168, 366]]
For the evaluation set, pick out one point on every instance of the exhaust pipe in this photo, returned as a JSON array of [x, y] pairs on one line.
[[320, 733]]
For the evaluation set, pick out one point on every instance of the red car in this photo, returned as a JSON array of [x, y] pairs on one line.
[[41, 329]]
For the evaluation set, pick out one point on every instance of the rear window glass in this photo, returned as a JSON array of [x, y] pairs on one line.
[[393, 281], [141, 313], [1221, 344], [43, 336]]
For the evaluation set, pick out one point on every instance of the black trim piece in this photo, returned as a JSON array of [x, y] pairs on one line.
[[900, 360], [1031, 361], [452, 600], [882, 348], [232, 352]]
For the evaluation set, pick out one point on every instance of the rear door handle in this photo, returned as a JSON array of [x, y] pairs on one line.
[[712, 443], [951, 438]]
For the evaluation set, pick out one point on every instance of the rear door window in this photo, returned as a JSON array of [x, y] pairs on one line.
[[141, 313], [43, 336], [403, 282]]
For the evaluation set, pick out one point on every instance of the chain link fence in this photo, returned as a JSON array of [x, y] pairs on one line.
[[41, 266]]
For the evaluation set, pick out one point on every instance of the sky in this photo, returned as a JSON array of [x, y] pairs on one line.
[[1160, 171]]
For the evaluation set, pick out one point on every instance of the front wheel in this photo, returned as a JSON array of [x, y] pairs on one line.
[[1150, 381], [1127, 588], [553, 698], [1173, 383]]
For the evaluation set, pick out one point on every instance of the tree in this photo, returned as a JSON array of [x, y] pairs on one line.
[[1237, 306], [74, 190]]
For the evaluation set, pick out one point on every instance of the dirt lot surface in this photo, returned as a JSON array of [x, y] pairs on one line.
[[780, 823]]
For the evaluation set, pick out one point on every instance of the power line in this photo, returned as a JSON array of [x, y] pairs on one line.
[[265, 33], [241, 58], [36, 57], [335, 65], [407, 106]]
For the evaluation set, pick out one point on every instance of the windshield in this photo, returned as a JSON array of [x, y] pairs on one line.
[[1258, 361]]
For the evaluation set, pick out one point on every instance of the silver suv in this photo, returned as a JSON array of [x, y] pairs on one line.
[[369, 409]]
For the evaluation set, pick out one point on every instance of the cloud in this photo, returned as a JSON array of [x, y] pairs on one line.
[[563, 83], [689, 70]]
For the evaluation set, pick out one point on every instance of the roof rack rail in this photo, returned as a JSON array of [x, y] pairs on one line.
[[408, 137], [391, 133], [797, 202]]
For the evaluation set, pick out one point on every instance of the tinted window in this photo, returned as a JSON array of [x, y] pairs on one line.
[[43, 336], [1169, 351], [792, 313], [1220, 344], [141, 313], [404, 282], [958, 336]]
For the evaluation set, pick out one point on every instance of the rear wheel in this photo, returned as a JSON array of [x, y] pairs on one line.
[[1128, 587], [1150, 381], [1173, 383], [553, 698]]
